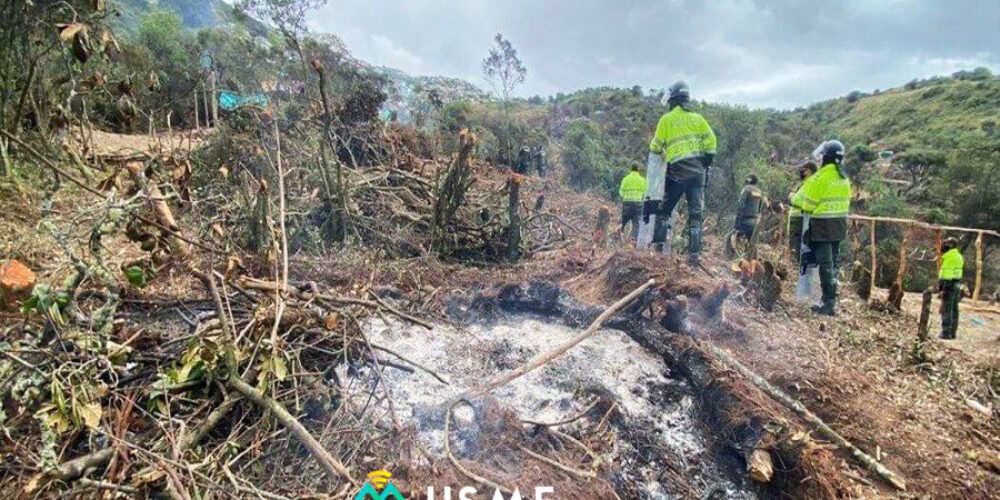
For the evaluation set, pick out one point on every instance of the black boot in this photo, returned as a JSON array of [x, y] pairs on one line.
[[829, 308]]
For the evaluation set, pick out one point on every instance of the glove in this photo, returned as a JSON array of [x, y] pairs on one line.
[[706, 160], [648, 209]]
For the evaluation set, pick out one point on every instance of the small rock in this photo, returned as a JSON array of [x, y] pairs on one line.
[[16, 282]]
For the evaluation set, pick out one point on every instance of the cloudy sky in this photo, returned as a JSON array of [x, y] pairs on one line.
[[780, 53]]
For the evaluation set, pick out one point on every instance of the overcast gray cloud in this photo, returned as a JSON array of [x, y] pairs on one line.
[[780, 53]]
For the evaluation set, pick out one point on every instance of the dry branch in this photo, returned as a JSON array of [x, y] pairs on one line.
[[333, 467]]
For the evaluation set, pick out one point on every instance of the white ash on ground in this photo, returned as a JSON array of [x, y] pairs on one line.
[[656, 422]]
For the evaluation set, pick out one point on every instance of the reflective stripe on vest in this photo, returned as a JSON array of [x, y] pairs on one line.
[[826, 194], [681, 134]]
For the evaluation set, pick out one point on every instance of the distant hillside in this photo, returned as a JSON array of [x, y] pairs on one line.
[[196, 14], [411, 96], [936, 113]]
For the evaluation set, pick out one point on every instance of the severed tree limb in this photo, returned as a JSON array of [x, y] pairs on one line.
[[77, 467], [333, 467], [547, 357], [867, 460]]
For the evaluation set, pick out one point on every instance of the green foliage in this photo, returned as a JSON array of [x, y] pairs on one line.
[[586, 157], [885, 200]]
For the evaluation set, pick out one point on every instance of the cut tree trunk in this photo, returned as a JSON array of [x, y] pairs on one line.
[[513, 216]]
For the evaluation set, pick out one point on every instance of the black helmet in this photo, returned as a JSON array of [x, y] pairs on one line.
[[752, 179], [832, 150], [949, 243], [679, 90]]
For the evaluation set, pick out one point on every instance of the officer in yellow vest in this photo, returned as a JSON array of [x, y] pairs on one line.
[[950, 286], [632, 188], [806, 170], [826, 201], [687, 144]]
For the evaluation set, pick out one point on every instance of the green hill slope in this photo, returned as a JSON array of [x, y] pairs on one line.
[[938, 113]]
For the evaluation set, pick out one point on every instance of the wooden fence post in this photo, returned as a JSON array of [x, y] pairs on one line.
[[874, 252], [897, 292], [979, 270], [923, 327], [939, 243]]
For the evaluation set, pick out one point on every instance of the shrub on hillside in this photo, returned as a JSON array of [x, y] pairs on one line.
[[932, 92], [585, 157]]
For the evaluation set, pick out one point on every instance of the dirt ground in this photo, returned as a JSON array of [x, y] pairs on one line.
[[857, 373], [978, 327], [110, 145]]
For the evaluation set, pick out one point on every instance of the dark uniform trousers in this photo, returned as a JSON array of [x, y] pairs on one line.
[[950, 298], [631, 213], [691, 187], [824, 237]]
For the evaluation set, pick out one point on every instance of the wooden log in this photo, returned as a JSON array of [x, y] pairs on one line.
[[925, 225], [874, 252], [979, 270]]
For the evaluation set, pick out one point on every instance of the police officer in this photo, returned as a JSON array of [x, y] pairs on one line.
[[539, 160], [826, 202], [685, 141], [752, 200], [631, 190], [523, 160], [806, 170], [950, 286]]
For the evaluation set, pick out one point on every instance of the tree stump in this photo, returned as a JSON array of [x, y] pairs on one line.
[[16, 283], [513, 216]]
